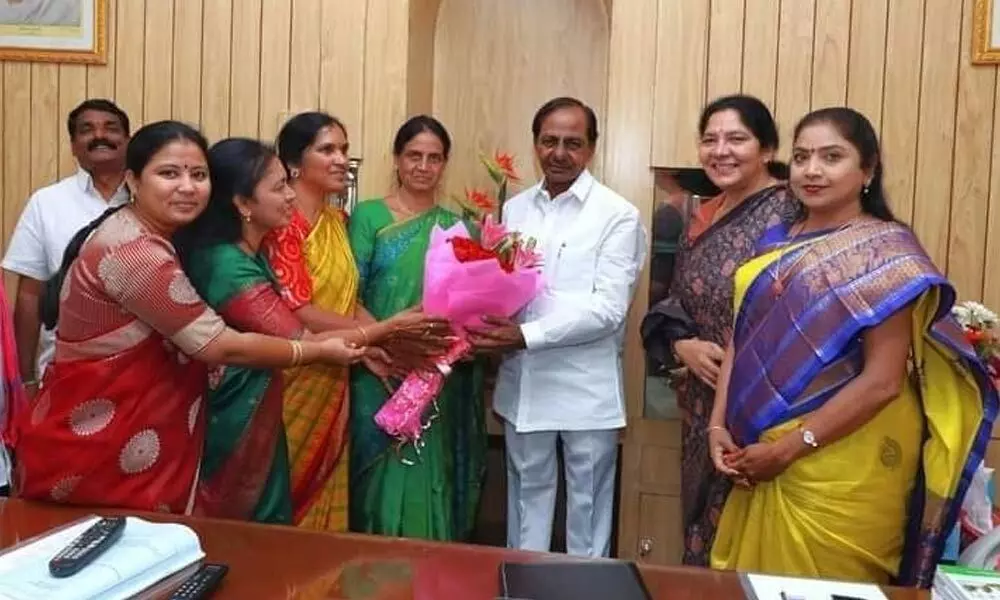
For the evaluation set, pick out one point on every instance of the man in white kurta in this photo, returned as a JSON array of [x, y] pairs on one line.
[[561, 378], [99, 134]]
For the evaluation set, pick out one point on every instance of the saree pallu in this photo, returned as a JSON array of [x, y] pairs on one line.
[[878, 504], [316, 401], [700, 305], [433, 493], [128, 429], [245, 471]]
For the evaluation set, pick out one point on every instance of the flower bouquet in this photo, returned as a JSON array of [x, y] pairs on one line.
[[980, 325], [464, 279]]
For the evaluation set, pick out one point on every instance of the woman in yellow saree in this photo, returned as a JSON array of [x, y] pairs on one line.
[[850, 410]]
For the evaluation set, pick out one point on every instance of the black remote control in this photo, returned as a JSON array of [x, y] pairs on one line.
[[87, 546], [201, 585]]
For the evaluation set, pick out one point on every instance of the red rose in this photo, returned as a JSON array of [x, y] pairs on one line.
[[467, 250]]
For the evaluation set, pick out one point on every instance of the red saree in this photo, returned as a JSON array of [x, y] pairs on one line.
[[120, 419]]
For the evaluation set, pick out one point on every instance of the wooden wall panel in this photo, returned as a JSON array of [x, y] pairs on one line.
[[936, 136], [216, 75], [681, 72], [274, 65], [793, 88], [342, 68], [725, 48], [831, 49], [760, 56], [970, 191], [16, 142], [44, 154], [901, 102], [158, 59], [866, 63], [129, 58], [304, 60], [185, 100], [72, 91]]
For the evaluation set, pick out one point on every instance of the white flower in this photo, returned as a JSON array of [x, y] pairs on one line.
[[974, 314]]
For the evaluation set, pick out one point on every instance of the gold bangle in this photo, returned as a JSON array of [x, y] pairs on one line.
[[296, 352], [712, 428], [364, 336]]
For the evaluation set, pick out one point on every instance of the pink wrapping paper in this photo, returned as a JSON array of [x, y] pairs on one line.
[[464, 293]]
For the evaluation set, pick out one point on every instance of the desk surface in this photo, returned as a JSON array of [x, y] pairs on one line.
[[272, 562]]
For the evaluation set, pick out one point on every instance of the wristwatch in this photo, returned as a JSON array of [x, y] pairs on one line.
[[809, 438]]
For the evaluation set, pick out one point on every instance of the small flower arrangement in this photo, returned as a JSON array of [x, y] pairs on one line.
[[981, 331]]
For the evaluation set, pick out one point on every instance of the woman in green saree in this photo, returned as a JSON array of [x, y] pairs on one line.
[[431, 492], [245, 470]]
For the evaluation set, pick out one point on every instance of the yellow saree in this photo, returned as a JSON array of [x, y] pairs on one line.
[[876, 505], [316, 408]]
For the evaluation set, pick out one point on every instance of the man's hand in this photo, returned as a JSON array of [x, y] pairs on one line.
[[502, 335]]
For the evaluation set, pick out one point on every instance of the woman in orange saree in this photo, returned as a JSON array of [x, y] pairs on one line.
[[120, 421]]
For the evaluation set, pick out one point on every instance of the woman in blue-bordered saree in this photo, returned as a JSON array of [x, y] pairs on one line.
[[878, 503]]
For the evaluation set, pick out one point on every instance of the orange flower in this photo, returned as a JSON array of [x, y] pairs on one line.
[[505, 162], [479, 199]]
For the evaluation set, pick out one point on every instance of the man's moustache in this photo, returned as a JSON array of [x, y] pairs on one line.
[[94, 145]]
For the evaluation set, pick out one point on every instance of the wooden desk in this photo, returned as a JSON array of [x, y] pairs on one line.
[[271, 562]]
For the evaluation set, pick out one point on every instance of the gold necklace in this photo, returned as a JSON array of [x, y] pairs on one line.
[[778, 286]]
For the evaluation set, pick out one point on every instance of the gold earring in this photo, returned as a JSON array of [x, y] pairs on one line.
[[294, 173], [246, 218]]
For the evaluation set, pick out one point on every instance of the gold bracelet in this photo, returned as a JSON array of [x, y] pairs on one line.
[[712, 428], [296, 352], [364, 336]]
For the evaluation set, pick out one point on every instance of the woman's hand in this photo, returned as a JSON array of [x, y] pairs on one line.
[[761, 461], [335, 350], [721, 448], [380, 364], [702, 358]]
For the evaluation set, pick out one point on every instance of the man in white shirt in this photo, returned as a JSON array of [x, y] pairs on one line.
[[561, 378], [99, 134]]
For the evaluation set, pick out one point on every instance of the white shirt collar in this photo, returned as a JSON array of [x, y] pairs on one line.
[[86, 183], [579, 190]]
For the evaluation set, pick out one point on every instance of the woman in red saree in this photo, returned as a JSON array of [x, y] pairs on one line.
[[120, 420]]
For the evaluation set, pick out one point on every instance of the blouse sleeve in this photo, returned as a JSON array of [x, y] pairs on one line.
[[285, 252], [145, 277]]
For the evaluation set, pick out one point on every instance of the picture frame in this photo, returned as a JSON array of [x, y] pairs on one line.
[[986, 32], [62, 31]]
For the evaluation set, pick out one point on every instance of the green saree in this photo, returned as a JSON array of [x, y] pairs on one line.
[[436, 495], [244, 468]]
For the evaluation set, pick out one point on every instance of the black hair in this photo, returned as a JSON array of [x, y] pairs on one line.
[[756, 117], [142, 147], [414, 126], [299, 132], [558, 104], [856, 129], [237, 166], [98, 104]]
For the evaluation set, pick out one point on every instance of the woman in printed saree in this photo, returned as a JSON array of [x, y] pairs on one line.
[[849, 407], [433, 493], [245, 471], [691, 327], [120, 419], [312, 260]]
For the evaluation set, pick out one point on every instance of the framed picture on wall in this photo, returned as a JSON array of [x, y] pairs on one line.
[[986, 32], [68, 31]]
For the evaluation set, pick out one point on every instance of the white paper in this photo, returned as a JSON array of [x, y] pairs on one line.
[[145, 554], [770, 587]]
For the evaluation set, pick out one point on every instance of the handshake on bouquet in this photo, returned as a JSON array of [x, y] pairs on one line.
[[464, 281]]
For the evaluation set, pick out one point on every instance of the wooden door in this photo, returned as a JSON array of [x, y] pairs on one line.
[[649, 525]]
